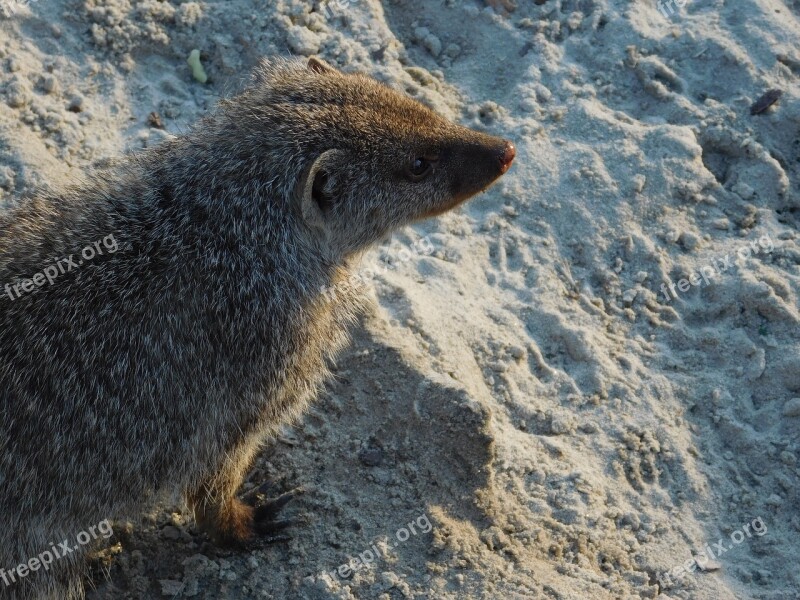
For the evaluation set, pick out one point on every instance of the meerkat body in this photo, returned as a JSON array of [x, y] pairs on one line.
[[163, 365]]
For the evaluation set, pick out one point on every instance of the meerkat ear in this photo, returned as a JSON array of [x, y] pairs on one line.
[[316, 189], [317, 65]]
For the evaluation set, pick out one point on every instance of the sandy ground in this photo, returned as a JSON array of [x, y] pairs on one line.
[[529, 410]]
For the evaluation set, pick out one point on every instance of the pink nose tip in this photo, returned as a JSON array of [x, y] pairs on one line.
[[507, 157]]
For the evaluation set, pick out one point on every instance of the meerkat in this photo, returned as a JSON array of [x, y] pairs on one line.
[[162, 366]]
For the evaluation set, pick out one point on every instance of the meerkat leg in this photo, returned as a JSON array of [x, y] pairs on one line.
[[227, 520], [231, 521]]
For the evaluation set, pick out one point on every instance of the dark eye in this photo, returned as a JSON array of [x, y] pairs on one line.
[[420, 167]]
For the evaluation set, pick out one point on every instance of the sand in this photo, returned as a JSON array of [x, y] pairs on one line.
[[529, 409]]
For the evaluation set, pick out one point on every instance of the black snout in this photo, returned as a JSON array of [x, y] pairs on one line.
[[484, 160], [472, 165]]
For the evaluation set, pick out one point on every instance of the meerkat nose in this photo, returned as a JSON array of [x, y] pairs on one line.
[[507, 157]]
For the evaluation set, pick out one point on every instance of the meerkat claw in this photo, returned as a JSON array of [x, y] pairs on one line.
[[265, 513], [269, 507], [278, 503], [267, 527], [252, 497]]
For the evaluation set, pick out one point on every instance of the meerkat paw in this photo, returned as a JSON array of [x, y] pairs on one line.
[[247, 522], [266, 523]]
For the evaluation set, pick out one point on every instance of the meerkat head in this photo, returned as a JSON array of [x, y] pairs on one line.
[[369, 159]]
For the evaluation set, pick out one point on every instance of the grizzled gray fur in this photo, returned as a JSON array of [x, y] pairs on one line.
[[196, 328]]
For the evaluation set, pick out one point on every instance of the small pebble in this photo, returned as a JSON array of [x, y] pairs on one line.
[[764, 576], [792, 408], [543, 94], [170, 587], [53, 122], [722, 224], [774, 500], [765, 101], [154, 120], [689, 240], [303, 41], [18, 93], [452, 50], [744, 191], [49, 83], [560, 425], [528, 105], [432, 43], [371, 457], [518, 352], [127, 64], [76, 103], [7, 177]]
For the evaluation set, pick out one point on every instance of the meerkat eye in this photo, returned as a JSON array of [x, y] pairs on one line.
[[421, 167]]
